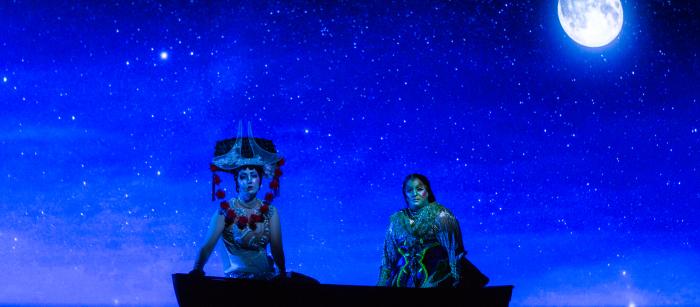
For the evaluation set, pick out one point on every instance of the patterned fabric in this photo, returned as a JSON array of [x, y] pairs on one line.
[[422, 249]]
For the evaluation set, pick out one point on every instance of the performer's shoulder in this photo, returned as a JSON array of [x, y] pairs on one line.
[[441, 210], [398, 215]]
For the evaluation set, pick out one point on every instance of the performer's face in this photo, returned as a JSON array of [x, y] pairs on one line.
[[248, 181], [416, 193]]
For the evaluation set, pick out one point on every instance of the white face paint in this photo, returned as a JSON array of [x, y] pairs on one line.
[[248, 182], [416, 193]]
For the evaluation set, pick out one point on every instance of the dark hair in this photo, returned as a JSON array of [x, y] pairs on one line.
[[431, 196], [258, 169]]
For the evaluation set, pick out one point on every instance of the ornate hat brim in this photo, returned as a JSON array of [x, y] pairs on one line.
[[234, 159]]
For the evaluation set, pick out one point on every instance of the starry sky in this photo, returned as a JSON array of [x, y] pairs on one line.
[[573, 171]]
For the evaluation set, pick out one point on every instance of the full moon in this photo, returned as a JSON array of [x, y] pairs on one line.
[[592, 23]]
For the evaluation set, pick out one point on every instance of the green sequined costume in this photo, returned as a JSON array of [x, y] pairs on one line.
[[422, 249]]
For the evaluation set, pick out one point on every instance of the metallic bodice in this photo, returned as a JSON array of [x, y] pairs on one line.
[[247, 248]]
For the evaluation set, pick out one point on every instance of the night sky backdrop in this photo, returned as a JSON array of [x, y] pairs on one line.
[[574, 172]]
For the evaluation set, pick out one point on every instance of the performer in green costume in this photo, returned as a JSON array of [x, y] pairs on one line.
[[423, 245]]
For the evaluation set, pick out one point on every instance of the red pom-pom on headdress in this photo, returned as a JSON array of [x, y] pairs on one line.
[[220, 194], [225, 205]]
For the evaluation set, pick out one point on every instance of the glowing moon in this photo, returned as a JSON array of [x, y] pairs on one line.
[[592, 23]]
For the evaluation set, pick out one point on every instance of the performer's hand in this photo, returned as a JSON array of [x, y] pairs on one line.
[[197, 272]]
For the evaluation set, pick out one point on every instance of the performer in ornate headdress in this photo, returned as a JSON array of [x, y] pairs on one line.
[[246, 224], [423, 245]]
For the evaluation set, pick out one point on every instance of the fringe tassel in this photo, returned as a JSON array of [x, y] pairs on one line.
[[213, 187]]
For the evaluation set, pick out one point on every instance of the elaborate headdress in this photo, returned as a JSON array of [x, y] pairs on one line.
[[254, 155], [231, 154]]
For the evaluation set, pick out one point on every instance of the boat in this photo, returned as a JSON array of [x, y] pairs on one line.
[[301, 290]]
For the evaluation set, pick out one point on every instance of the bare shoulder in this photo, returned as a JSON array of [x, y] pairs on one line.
[[218, 213]]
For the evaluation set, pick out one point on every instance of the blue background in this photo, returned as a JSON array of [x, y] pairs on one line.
[[573, 171]]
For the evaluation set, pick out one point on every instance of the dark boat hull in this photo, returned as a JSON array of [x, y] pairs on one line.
[[216, 291]]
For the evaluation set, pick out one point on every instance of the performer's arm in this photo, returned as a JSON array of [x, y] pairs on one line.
[[276, 241], [450, 237], [216, 227]]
